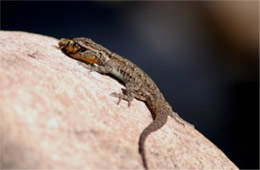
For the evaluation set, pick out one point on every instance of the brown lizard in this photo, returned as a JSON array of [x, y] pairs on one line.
[[137, 83]]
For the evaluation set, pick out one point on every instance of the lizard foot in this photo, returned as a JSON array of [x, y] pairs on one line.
[[127, 98], [178, 119]]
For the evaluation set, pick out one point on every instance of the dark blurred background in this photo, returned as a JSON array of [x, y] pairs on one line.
[[204, 56]]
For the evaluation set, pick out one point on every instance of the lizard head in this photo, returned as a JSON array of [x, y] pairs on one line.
[[79, 50], [68, 46]]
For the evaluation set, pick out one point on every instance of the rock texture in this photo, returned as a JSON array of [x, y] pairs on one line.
[[56, 114]]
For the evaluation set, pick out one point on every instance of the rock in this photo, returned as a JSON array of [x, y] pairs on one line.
[[57, 114]]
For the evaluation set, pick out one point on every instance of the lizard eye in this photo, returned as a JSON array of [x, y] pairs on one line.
[[82, 49]]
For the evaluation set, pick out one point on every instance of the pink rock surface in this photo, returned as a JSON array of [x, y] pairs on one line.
[[56, 114]]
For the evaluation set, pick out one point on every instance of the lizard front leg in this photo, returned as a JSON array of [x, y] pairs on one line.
[[107, 69], [100, 69], [127, 94]]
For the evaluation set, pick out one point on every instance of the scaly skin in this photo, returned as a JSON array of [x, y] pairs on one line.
[[137, 83]]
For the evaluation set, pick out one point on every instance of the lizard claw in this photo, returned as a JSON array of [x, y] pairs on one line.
[[116, 95], [120, 97]]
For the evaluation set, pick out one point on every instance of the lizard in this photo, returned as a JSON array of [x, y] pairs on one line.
[[137, 83]]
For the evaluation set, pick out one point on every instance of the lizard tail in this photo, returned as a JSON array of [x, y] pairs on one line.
[[159, 121]]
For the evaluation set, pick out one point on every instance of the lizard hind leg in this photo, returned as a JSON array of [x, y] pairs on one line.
[[178, 119]]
